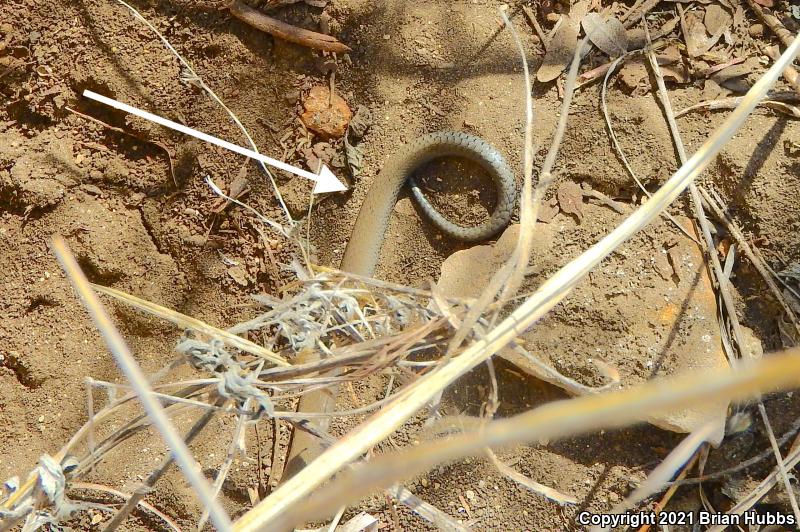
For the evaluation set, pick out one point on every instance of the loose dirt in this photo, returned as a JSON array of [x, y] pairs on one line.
[[418, 66]]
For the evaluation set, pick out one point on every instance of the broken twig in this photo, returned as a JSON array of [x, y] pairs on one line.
[[731, 103], [287, 32], [772, 22]]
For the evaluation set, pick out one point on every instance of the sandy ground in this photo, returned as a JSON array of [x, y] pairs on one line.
[[418, 66]]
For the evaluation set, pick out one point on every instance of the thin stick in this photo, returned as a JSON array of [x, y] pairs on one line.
[[427, 511], [531, 16], [554, 420], [723, 281], [287, 32], [90, 412], [336, 518], [148, 507], [731, 103], [189, 322], [762, 489], [697, 204], [139, 382], [780, 461], [24, 490], [235, 445], [511, 270], [741, 466], [555, 289], [662, 503], [631, 12], [790, 74], [618, 147], [156, 475], [198, 81], [528, 204], [736, 233], [772, 23], [675, 461]]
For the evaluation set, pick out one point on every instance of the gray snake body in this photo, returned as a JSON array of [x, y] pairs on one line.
[[363, 249]]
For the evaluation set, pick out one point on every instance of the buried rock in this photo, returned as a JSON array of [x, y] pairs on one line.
[[648, 311]]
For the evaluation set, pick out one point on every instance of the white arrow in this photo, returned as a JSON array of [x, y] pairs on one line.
[[326, 181]]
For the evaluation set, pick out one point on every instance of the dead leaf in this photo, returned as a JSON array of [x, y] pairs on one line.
[[560, 51], [765, 3], [676, 73], [239, 274], [712, 90], [636, 38], [729, 74], [632, 74], [608, 35], [570, 199], [579, 10], [360, 123], [669, 26], [548, 210], [717, 19], [695, 35], [716, 68], [697, 40], [357, 128], [355, 158], [237, 189], [562, 43], [670, 55]]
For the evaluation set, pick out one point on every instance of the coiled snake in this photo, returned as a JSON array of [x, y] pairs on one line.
[[363, 250]]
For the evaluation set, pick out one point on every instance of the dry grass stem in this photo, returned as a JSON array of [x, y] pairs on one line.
[[138, 380], [700, 215], [288, 498], [789, 462], [552, 421], [190, 76], [781, 465], [618, 147], [122, 495], [187, 322], [742, 243], [156, 475]]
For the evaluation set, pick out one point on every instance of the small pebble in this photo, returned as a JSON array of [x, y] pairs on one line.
[[470, 495], [91, 189], [424, 482], [553, 17], [613, 497]]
